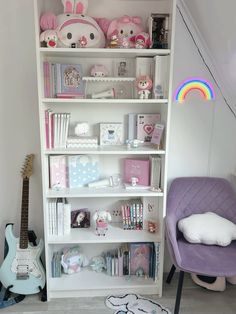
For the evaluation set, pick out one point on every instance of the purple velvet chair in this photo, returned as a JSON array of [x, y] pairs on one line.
[[191, 195]]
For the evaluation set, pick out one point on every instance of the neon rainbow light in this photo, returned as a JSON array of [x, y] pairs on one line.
[[194, 84]]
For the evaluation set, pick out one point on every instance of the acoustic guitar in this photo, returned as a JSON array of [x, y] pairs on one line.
[[22, 271]]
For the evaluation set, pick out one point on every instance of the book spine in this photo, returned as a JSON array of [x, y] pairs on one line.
[[67, 219], [46, 119]]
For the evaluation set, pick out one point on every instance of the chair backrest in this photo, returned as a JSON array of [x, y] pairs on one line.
[[195, 195]]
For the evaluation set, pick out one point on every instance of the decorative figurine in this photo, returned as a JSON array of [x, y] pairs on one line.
[[114, 40], [82, 129], [98, 264], [152, 226], [142, 40], [133, 143], [101, 218], [144, 85]]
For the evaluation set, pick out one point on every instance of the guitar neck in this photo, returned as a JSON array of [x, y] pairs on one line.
[[24, 214]]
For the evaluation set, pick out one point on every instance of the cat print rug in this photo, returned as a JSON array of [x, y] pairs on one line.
[[134, 304]]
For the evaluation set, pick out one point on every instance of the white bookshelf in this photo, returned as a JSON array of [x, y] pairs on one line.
[[115, 234], [89, 283]]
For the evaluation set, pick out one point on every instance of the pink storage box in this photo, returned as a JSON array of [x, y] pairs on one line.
[[58, 172], [138, 168]]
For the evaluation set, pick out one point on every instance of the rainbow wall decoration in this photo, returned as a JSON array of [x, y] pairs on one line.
[[191, 84]]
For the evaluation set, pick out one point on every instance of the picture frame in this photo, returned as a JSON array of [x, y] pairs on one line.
[[121, 68], [111, 134], [159, 30], [80, 218]]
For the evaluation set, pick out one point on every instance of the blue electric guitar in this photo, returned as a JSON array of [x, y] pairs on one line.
[[22, 269]]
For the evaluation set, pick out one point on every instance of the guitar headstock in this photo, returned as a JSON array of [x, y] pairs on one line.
[[27, 168]]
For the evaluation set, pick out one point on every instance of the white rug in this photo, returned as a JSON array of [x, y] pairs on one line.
[[134, 304]]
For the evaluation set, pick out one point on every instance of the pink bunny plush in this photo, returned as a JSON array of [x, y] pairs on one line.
[[73, 27]]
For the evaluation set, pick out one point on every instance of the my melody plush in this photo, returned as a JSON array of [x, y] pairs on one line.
[[72, 28]]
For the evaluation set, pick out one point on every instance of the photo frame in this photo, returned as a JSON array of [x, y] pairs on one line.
[[121, 68], [111, 134], [159, 30], [80, 218]]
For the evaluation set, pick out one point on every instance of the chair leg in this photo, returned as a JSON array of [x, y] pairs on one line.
[[171, 274], [179, 292]]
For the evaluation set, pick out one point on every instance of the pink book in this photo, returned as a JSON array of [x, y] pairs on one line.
[[157, 134], [145, 126], [58, 172], [138, 168], [46, 117]]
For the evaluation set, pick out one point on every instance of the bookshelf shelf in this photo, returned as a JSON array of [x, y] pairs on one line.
[[58, 119], [86, 282], [108, 79], [107, 150], [102, 52], [102, 192], [103, 101], [115, 234]]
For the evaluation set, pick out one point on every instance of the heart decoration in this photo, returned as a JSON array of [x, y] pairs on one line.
[[148, 128]]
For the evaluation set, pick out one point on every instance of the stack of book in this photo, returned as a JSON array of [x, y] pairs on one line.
[[56, 265], [134, 259], [59, 217], [132, 214], [56, 129], [63, 80]]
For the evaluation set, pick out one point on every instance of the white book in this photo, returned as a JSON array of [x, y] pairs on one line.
[[132, 126], [50, 218], [60, 218], [62, 130], [155, 171], [55, 130], [50, 128], [67, 122], [67, 219], [161, 77], [54, 217]]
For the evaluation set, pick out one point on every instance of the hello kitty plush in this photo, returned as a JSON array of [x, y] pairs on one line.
[[73, 27], [125, 27]]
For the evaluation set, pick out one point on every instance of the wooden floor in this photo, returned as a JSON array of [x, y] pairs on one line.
[[195, 300]]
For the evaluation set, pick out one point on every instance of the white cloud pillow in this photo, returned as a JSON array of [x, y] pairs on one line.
[[208, 228]]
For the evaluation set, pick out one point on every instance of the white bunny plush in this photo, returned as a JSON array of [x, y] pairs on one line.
[[73, 28]]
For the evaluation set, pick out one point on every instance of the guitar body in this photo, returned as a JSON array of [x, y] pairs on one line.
[[22, 268]]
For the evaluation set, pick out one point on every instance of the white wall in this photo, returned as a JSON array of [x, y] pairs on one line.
[[19, 129], [202, 132]]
